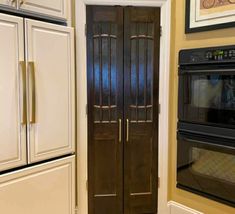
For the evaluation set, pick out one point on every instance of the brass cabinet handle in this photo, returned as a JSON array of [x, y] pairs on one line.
[[33, 103], [120, 130], [127, 130], [24, 107]]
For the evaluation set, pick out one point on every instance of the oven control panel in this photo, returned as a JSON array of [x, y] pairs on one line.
[[225, 54], [220, 54]]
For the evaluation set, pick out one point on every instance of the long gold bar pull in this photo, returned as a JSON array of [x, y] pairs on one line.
[[127, 130], [24, 102], [33, 101], [120, 130]]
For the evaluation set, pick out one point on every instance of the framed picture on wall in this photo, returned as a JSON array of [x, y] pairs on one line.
[[204, 15]]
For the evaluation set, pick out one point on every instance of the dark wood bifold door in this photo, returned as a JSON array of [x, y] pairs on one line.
[[105, 109], [123, 55], [141, 50]]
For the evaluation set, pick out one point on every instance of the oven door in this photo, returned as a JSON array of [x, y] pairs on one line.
[[207, 96], [206, 166]]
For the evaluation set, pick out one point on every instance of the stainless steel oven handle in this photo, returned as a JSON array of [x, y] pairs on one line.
[[183, 71], [209, 144]]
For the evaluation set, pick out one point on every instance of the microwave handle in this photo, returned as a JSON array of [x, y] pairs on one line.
[[209, 144]]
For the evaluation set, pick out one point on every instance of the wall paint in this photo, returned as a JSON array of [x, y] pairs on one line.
[[180, 40]]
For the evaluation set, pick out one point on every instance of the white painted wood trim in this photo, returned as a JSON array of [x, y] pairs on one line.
[[176, 208], [148, 3], [82, 171], [56, 9]]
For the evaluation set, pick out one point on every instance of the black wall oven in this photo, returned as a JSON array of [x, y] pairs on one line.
[[206, 123]]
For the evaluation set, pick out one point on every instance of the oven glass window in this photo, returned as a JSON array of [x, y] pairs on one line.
[[209, 99], [213, 164], [213, 91], [206, 167]]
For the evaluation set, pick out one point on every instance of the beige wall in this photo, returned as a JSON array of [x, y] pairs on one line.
[[180, 40]]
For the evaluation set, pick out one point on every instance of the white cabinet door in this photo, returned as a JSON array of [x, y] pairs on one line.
[[10, 3], [43, 189], [51, 99], [12, 132], [54, 8]]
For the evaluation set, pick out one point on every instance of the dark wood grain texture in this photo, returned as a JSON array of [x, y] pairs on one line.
[[141, 81], [105, 108], [122, 72]]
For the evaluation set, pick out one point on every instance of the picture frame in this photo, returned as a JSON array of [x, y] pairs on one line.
[[207, 15]]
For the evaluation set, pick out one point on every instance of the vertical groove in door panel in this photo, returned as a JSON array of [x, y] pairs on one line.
[[109, 69], [137, 72], [105, 95], [145, 72], [101, 74]]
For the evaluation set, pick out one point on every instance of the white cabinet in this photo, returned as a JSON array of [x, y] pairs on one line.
[[12, 123], [46, 188], [37, 90], [8, 3], [55, 8], [50, 59]]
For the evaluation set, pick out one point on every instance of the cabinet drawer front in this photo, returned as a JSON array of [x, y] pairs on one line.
[[12, 133], [46, 188], [54, 8], [51, 49]]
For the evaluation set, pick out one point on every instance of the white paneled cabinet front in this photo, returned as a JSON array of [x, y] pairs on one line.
[[8, 3], [50, 65], [36, 91], [12, 118], [42, 189], [56, 8]]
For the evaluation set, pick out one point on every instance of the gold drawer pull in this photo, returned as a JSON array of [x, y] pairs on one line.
[[31, 68]]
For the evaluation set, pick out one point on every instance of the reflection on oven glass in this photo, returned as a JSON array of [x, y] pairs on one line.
[[213, 164], [213, 91]]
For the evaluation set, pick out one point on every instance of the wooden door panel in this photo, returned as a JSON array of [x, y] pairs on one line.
[[105, 160], [141, 75], [12, 93], [105, 88], [105, 72], [140, 147], [141, 47], [50, 48], [106, 169]]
